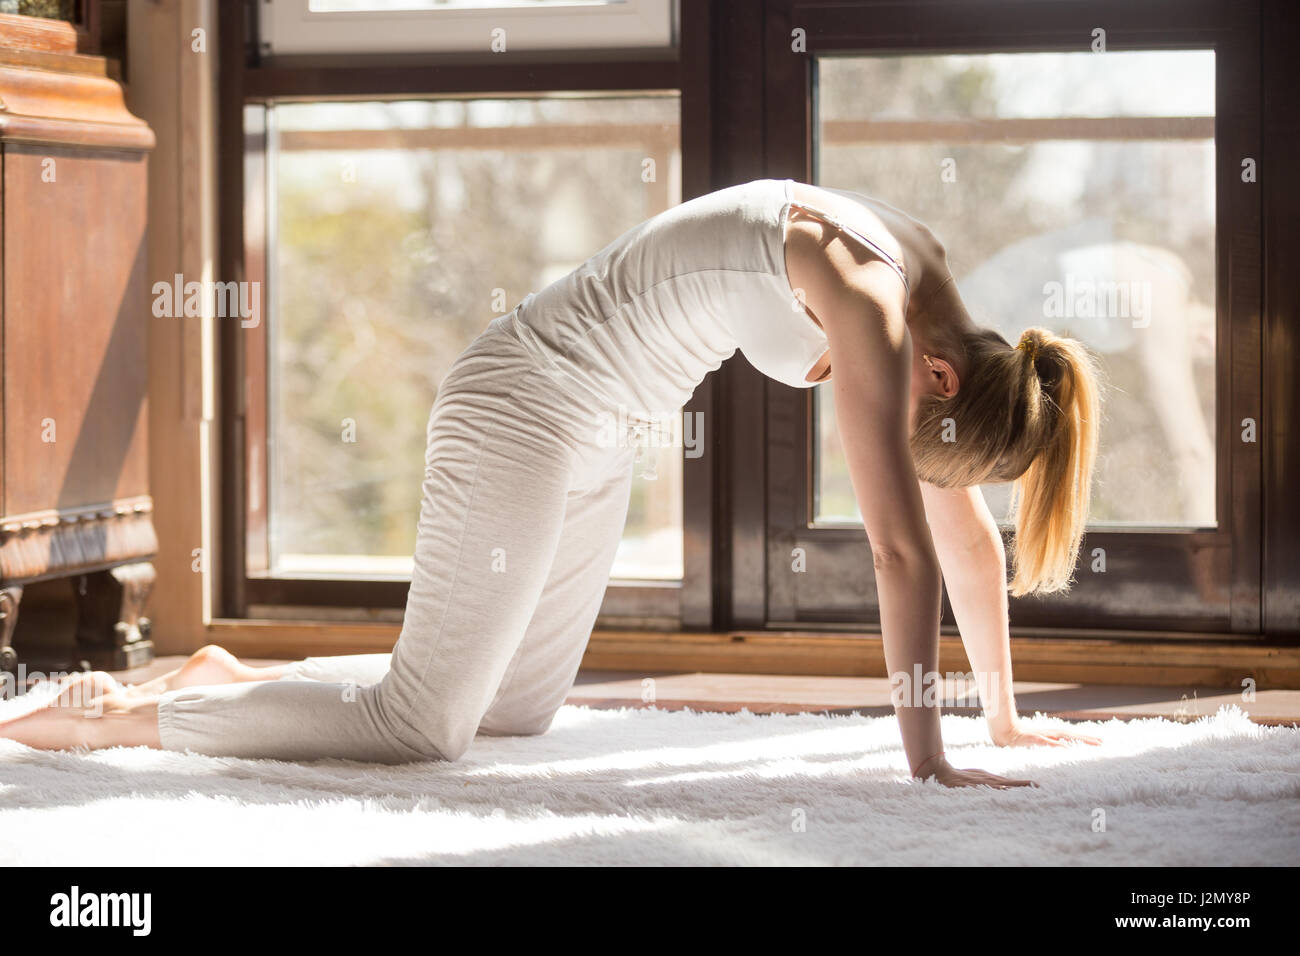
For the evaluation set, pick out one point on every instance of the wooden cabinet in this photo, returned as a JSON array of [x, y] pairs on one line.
[[74, 306]]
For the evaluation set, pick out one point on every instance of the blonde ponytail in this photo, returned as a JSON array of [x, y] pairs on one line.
[[1027, 415], [1050, 500]]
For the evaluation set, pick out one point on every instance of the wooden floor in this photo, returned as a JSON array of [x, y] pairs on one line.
[[765, 693]]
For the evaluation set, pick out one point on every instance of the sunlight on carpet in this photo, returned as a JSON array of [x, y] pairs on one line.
[[648, 787]]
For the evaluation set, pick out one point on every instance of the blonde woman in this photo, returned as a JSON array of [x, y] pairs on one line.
[[523, 504]]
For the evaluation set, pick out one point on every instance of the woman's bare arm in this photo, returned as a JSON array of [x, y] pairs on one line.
[[871, 375], [860, 305], [973, 559]]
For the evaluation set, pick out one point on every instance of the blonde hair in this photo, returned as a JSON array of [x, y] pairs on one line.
[[1029, 415]]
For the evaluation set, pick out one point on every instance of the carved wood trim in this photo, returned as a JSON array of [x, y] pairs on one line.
[[110, 605], [63, 103], [58, 62], [36, 33], [10, 598], [48, 544]]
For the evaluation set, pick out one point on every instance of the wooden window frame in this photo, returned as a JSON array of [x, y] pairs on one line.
[[1160, 569], [248, 77], [736, 128]]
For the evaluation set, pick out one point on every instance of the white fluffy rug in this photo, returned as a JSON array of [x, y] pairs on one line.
[[648, 787]]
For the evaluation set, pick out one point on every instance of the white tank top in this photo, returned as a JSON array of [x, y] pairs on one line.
[[641, 322]]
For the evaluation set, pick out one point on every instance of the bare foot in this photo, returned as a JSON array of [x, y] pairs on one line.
[[207, 666], [111, 720], [84, 688]]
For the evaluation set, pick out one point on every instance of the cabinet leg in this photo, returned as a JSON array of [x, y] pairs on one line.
[[10, 597], [112, 633]]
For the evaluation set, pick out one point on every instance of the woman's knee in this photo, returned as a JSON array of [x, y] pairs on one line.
[[426, 736], [518, 725], [450, 739], [423, 746]]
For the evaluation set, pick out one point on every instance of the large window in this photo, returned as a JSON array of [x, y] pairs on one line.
[[1073, 191], [395, 182], [394, 232], [1094, 178]]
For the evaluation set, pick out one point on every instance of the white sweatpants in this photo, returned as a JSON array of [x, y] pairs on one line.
[[524, 502]]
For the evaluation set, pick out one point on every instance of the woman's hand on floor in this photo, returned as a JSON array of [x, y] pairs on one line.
[[1018, 735], [948, 775]]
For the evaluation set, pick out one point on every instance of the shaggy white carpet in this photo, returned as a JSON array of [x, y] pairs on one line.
[[648, 787]]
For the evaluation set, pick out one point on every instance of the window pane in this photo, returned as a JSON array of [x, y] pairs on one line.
[[342, 6], [399, 230], [1073, 191], [487, 27]]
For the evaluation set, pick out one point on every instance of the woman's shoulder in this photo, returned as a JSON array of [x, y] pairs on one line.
[[911, 234]]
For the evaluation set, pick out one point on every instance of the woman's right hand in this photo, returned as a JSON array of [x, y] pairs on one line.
[[948, 775]]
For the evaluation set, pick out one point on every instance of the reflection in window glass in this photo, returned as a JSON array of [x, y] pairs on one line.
[[400, 229], [1073, 191]]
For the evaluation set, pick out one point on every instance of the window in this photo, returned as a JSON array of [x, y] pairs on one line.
[[394, 232], [1100, 194], [1073, 191], [1104, 194], [499, 26]]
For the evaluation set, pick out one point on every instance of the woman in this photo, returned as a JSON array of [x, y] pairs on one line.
[[523, 505]]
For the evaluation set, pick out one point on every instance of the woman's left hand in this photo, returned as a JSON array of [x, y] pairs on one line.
[[1018, 735]]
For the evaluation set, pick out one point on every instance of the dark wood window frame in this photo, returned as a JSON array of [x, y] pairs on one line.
[[1166, 580], [747, 113], [246, 77]]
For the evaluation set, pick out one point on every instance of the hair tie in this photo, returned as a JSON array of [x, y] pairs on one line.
[[1030, 346]]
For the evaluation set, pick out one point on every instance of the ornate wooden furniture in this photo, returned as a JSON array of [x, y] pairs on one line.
[[74, 307]]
